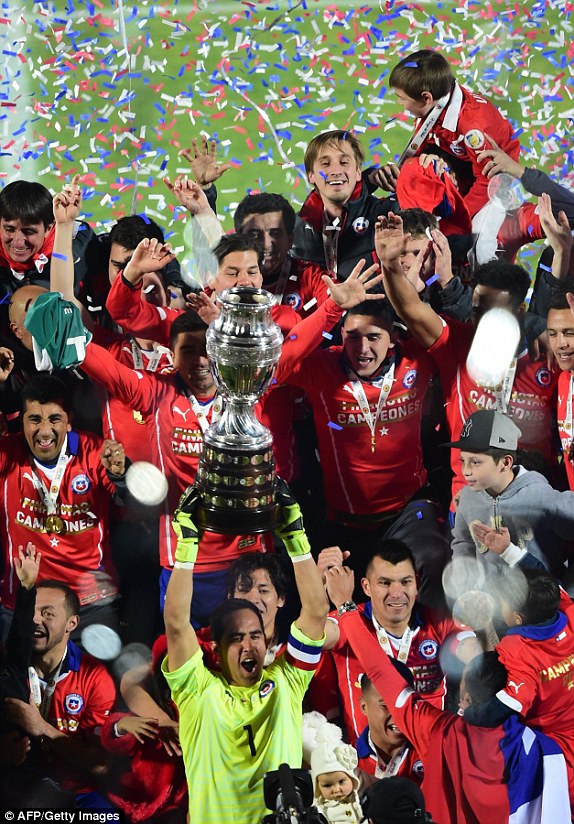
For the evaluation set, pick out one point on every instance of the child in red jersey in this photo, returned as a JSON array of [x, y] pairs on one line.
[[451, 121], [538, 652]]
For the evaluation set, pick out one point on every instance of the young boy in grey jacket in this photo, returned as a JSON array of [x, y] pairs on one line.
[[506, 514]]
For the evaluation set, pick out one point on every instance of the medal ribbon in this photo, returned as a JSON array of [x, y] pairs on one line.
[[358, 390], [404, 647], [502, 394], [153, 361], [49, 687], [568, 421], [392, 768], [421, 133], [49, 497], [330, 243], [216, 407]]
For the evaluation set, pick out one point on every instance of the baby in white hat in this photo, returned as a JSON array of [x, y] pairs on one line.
[[335, 783]]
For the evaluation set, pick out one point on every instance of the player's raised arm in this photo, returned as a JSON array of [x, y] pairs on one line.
[[422, 321], [181, 638]]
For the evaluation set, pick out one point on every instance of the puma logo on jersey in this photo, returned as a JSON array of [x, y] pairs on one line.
[[183, 413], [515, 685], [28, 477]]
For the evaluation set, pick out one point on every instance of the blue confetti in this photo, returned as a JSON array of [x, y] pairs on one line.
[[334, 425]]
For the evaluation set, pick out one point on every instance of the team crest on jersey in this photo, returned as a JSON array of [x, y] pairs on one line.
[[410, 378], [74, 703], [360, 225], [293, 299], [418, 769], [80, 484], [544, 376], [266, 688], [428, 649], [474, 139]]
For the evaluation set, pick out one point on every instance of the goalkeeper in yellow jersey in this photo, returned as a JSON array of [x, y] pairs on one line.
[[237, 724]]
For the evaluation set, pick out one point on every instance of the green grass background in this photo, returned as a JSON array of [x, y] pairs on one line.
[[114, 91]]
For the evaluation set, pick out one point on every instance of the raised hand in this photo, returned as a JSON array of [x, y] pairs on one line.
[[390, 240], [27, 565], [113, 457], [496, 541], [204, 305], [189, 194], [140, 728], [150, 256], [443, 257], [356, 288], [340, 584], [385, 177], [498, 161], [68, 202], [329, 557], [558, 232], [203, 162]]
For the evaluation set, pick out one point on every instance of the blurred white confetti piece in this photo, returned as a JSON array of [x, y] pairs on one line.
[[461, 575], [101, 641], [493, 348], [474, 609], [146, 483]]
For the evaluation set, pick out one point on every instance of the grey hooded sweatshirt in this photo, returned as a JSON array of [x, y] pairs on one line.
[[539, 518]]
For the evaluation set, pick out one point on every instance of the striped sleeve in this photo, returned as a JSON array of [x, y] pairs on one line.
[[302, 652]]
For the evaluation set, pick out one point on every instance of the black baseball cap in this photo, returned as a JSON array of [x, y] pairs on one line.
[[486, 429]]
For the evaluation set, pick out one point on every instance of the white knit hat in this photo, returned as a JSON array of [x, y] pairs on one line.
[[331, 755]]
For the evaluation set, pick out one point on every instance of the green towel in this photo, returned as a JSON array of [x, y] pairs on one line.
[[58, 334]]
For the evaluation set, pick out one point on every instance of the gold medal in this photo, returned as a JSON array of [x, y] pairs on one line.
[[55, 524]]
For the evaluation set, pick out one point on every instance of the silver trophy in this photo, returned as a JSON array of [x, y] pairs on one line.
[[236, 473]]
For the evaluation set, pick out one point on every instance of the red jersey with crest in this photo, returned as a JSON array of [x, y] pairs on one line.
[[429, 631], [564, 425], [461, 131], [407, 765], [531, 404], [83, 698], [83, 504], [540, 663], [356, 479]]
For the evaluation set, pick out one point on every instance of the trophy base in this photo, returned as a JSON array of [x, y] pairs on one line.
[[236, 491], [235, 521]]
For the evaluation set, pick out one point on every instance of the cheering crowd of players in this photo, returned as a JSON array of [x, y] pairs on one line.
[[398, 458]]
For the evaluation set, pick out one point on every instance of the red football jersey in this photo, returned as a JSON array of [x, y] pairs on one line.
[[461, 131], [531, 404], [83, 504], [82, 701], [409, 765], [540, 664], [430, 631], [120, 422], [356, 479]]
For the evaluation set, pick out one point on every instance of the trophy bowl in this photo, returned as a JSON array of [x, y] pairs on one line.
[[236, 472]]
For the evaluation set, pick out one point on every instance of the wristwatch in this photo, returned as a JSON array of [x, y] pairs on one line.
[[347, 606]]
